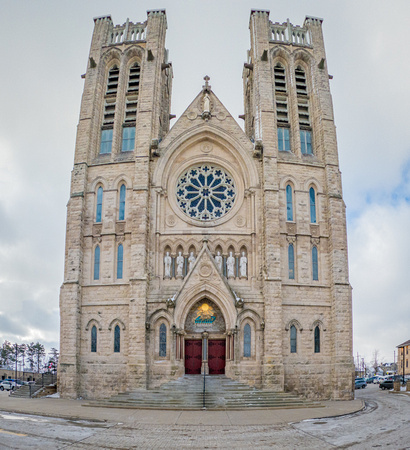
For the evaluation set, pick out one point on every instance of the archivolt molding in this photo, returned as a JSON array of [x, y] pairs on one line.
[[108, 59], [249, 314], [318, 323], [204, 290], [115, 322], [294, 322], [132, 55], [121, 179], [282, 55], [160, 314], [214, 135], [289, 179], [304, 58], [97, 181], [92, 322], [313, 182]]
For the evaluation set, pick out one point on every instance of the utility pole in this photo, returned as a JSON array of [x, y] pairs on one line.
[[15, 378]]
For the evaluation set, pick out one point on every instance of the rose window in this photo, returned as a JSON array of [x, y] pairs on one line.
[[205, 192]]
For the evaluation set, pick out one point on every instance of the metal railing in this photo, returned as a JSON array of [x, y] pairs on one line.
[[204, 393]]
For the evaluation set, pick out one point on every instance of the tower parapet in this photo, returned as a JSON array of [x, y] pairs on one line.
[[287, 33], [127, 33]]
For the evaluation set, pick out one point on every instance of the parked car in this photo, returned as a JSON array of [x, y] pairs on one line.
[[360, 383], [6, 385], [388, 384]]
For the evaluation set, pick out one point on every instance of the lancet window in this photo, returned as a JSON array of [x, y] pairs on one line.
[[97, 263], [317, 339], [247, 335], [293, 339], [117, 339], [291, 262], [312, 202], [93, 339], [163, 340], [315, 264]]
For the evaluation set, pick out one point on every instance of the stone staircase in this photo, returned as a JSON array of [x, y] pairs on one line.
[[33, 390], [221, 393]]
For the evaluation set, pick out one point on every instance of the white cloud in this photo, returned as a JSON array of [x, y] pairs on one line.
[[379, 265]]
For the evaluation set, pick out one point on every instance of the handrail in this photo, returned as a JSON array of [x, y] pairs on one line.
[[203, 393]]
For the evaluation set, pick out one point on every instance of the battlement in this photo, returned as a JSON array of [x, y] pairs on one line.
[[128, 32], [286, 33]]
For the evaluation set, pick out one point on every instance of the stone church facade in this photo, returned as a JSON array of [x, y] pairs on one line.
[[205, 248]]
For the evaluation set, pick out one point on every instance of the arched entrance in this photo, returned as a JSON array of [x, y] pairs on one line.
[[205, 346]]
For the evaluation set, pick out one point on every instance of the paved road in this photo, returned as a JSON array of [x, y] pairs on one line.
[[385, 423]]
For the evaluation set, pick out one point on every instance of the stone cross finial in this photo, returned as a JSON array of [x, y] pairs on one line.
[[207, 86]]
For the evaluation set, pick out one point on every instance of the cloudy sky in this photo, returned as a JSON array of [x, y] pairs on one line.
[[44, 47]]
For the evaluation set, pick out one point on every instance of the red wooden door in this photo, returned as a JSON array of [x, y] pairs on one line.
[[216, 356], [193, 357]]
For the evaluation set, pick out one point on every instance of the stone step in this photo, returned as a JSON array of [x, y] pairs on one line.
[[187, 393]]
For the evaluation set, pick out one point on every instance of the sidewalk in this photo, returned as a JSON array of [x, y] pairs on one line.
[[74, 410]]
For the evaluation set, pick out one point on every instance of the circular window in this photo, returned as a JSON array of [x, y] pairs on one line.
[[205, 192]]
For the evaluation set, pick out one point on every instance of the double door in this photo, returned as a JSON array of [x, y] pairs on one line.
[[216, 356]]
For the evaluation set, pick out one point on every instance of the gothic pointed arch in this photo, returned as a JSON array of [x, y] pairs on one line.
[[92, 322], [114, 322], [295, 323]]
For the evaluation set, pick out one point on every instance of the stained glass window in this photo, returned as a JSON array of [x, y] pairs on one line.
[[98, 211], [128, 139], [117, 335], [312, 198], [291, 261], [120, 261], [106, 140], [283, 139], [121, 212], [247, 340], [315, 268], [163, 340], [293, 339], [306, 142], [97, 263], [94, 339], [317, 339], [289, 203], [206, 192]]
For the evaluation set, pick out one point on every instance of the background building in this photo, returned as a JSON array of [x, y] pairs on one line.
[[205, 248], [403, 358]]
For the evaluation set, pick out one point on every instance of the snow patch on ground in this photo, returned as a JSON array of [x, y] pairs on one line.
[[56, 395]]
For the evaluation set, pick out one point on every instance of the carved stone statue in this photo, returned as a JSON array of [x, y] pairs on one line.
[[218, 260], [207, 103], [167, 265], [191, 261], [180, 265], [230, 266], [242, 265]]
